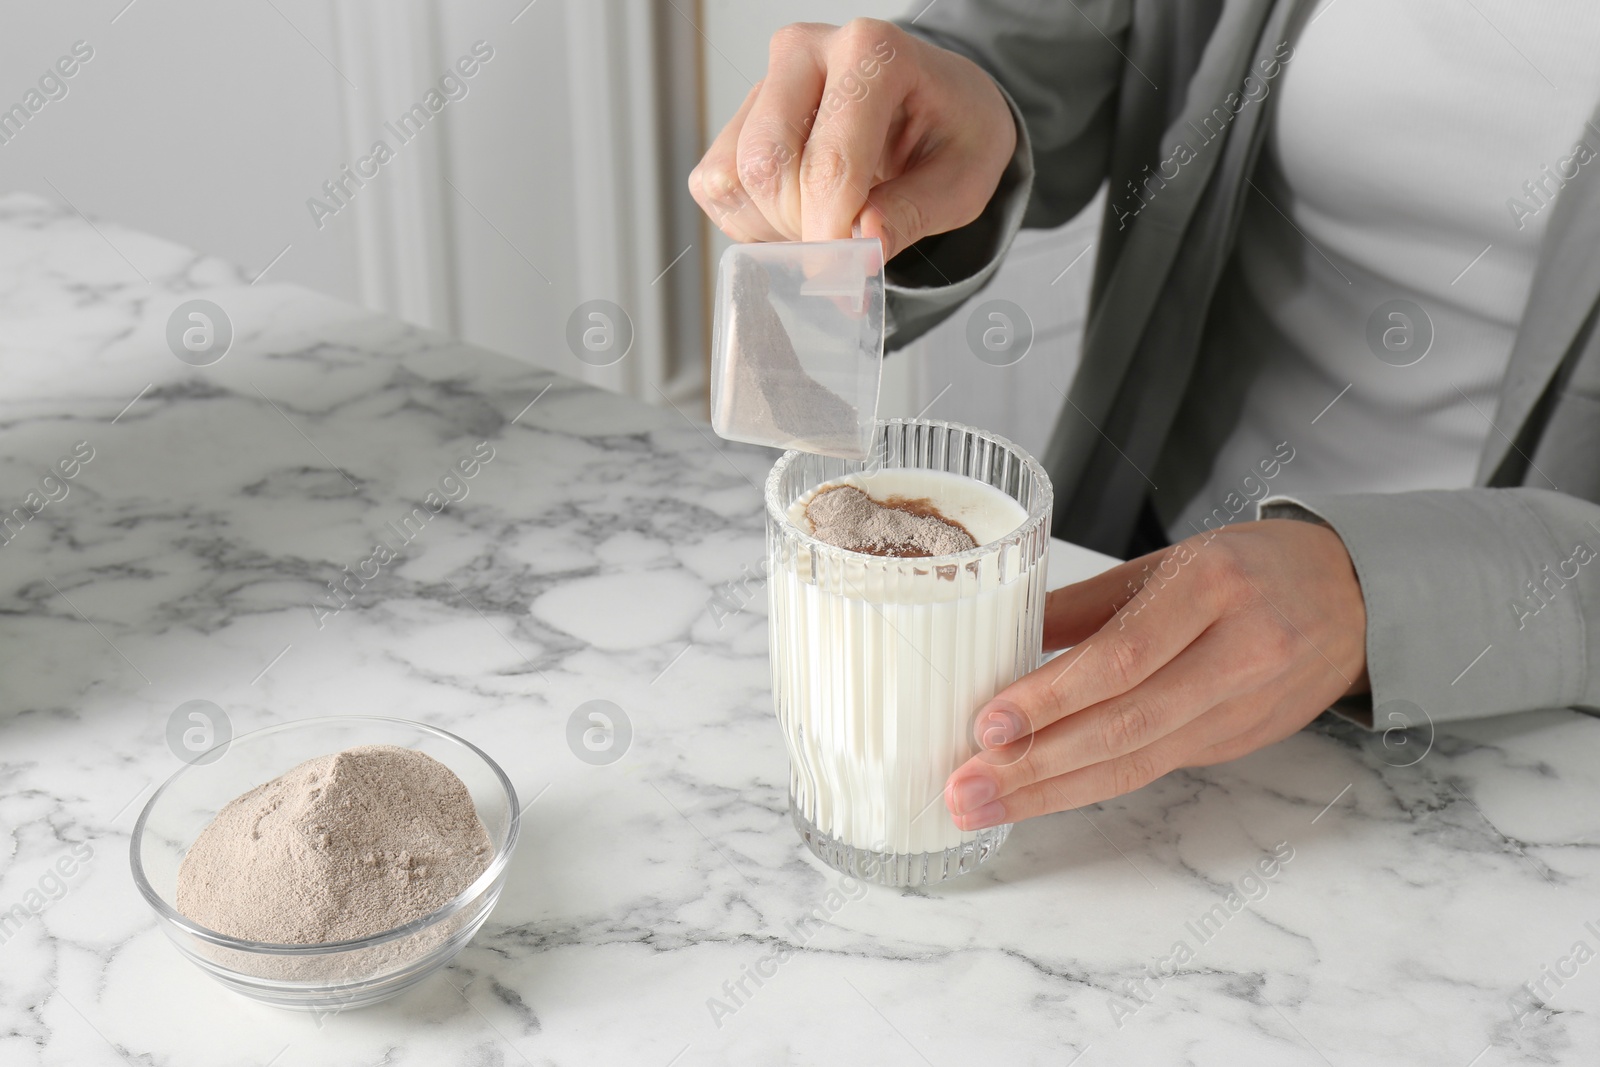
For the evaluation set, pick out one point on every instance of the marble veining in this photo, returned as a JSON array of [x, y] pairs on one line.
[[660, 909]]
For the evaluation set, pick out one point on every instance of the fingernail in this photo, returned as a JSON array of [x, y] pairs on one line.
[[999, 728], [983, 818], [968, 793], [1000, 724]]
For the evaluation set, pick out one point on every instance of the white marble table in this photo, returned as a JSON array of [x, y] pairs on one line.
[[183, 562]]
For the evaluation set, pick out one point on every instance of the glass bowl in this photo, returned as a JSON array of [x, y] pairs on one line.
[[337, 974]]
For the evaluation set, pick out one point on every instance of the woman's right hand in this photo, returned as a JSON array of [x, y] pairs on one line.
[[857, 121]]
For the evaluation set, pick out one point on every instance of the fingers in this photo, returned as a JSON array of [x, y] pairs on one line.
[[1228, 731], [1233, 728], [1208, 673], [847, 141], [1115, 777], [1180, 599], [714, 183], [847, 113], [1080, 788], [773, 137], [1250, 676]]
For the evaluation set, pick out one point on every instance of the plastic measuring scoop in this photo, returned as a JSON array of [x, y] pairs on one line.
[[797, 345]]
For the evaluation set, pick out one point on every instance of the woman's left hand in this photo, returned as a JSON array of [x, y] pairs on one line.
[[1197, 654]]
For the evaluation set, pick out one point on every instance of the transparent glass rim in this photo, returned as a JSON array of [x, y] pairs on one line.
[[1038, 508], [457, 904]]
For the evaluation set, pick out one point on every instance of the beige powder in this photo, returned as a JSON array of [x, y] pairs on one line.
[[341, 846], [844, 516], [778, 398]]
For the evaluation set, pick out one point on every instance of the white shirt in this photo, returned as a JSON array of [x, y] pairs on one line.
[[1409, 163]]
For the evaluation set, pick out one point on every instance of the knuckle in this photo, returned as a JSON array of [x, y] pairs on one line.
[[793, 38], [1126, 727], [1124, 654], [1222, 571], [706, 182], [719, 184], [1133, 771], [1227, 561], [823, 170], [861, 35], [760, 167], [1279, 641]]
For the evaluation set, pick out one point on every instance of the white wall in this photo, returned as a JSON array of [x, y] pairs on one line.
[[205, 123]]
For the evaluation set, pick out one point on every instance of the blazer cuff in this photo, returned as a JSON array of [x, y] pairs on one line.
[[926, 282], [1449, 630]]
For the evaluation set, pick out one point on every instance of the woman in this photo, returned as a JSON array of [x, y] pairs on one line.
[[1348, 271]]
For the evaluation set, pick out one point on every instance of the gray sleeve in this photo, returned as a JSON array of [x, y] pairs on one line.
[[1479, 601], [1059, 76]]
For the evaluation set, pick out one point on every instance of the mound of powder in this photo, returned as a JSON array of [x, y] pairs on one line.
[[341, 846], [844, 516]]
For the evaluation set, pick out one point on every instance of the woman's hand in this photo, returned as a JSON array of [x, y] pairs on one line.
[[861, 120], [1196, 654]]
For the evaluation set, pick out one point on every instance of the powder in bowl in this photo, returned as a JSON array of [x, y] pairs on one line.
[[339, 847]]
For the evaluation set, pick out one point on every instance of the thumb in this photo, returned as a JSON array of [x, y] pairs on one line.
[[903, 210]]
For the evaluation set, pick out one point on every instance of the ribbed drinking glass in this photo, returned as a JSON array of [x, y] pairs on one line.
[[880, 664]]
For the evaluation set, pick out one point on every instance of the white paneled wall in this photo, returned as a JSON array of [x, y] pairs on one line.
[[399, 220], [209, 124], [548, 177]]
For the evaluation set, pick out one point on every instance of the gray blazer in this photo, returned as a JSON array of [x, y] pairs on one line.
[[1480, 600]]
